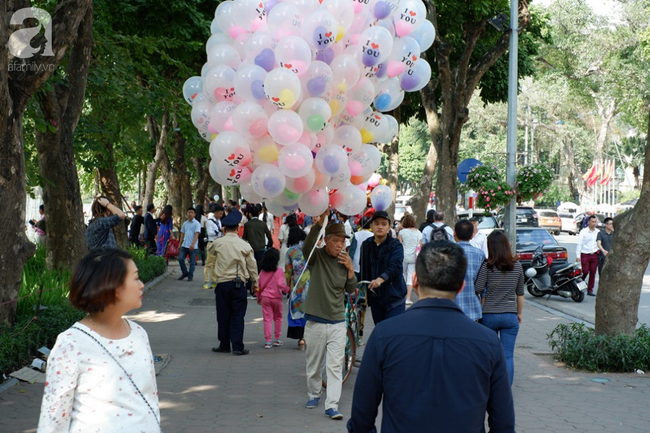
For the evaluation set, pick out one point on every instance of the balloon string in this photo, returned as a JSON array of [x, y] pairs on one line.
[[321, 235]]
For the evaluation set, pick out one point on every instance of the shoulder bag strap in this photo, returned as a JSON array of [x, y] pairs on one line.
[[125, 373]]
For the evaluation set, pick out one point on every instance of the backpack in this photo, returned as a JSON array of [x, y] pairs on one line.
[[439, 233]]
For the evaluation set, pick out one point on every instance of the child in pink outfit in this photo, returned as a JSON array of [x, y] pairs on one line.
[[271, 287]]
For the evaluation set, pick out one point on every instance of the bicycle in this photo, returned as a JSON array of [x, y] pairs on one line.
[[352, 319]]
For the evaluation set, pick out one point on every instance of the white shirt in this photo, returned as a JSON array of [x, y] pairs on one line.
[[587, 242], [269, 220], [86, 390], [361, 236], [480, 241], [213, 227]]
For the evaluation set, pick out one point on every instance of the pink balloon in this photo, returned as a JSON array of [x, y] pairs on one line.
[[354, 108]]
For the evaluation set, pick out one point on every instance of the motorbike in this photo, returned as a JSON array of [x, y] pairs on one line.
[[563, 280]]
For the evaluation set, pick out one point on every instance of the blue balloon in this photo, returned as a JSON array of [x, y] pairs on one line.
[[272, 185], [266, 59], [316, 86], [331, 164], [326, 55], [382, 10], [382, 101], [257, 89]]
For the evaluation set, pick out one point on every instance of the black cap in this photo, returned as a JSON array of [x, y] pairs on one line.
[[381, 214]]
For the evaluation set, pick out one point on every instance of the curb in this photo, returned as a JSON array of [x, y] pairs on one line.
[[157, 280], [9, 383]]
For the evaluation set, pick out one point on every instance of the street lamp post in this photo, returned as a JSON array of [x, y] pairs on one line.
[[510, 214]]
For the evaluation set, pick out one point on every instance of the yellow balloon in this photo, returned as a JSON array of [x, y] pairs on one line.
[[340, 34], [335, 106], [268, 153], [343, 87], [288, 98], [213, 136], [366, 136]]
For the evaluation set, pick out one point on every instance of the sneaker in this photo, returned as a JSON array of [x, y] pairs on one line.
[[251, 297], [409, 302], [206, 286], [312, 403], [277, 343], [213, 286], [591, 294], [182, 277], [268, 345], [333, 413], [241, 352], [189, 278], [361, 342]]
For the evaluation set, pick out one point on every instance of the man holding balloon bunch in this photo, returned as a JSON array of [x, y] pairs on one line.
[[332, 275]]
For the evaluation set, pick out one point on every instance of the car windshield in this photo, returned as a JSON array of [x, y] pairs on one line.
[[486, 222], [527, 238], [547, 214]]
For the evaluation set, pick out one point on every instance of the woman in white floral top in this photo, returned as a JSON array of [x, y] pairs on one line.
[[100, 373]]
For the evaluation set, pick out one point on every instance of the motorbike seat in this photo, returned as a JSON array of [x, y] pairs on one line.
[[564, 268]]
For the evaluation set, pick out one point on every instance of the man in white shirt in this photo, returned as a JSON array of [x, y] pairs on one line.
[[587, 253], [438, 221], [479, 240]]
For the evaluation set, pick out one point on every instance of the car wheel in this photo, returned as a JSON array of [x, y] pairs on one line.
[[557, 232]]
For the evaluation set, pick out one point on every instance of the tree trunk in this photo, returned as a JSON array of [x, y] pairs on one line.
[[619, 288], [203, 182], [18, 83], [606, 111], [61, 109], [159, 136], [445, 101], [574, 177], [110, 185]]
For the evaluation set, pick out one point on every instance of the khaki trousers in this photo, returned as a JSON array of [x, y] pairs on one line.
[[210, 264], [325, 343]]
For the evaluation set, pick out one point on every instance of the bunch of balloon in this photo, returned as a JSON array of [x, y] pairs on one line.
[[293, 95]]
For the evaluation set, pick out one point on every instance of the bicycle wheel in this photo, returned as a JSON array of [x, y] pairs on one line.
[[348, 358]]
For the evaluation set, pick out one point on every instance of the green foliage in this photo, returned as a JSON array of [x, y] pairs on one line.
[[554, 194], [533, 180], [36, 276], [149, 267], [18, 344], [628, 195], [414, 143], [579, 347]]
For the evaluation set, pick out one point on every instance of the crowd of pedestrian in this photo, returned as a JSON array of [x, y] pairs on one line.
[[467, 315]]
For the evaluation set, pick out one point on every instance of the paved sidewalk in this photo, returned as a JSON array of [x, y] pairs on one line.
[[201, 391]]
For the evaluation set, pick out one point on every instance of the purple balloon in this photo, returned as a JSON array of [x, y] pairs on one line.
[[381, 70], [331, 164], [325, 55], [409, 82], [268, 5], [272, 185], [265, 59], [316, 86], [382, 10], [257, 89], [370, 57]]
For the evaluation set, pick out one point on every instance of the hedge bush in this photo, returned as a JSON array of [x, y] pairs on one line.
[[579, 347], [18, 344]]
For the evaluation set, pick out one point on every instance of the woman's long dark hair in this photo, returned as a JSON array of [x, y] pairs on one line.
[[166, 213], [499, 252], [270, 260], [199, 212], [296, 234], [291, 220]]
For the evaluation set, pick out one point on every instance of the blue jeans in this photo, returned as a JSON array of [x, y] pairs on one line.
[[184, 252], [506, 325]]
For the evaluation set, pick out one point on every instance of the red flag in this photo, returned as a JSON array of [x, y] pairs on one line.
[[609, 173], [589, 173], [594, 178]]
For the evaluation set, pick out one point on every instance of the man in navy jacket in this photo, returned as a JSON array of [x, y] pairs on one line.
[[436, 369], [381, 263]]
